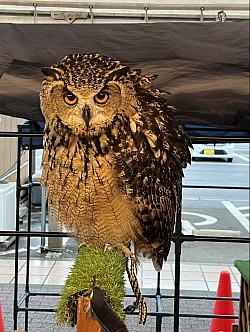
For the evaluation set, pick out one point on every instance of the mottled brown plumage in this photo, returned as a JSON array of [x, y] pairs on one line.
[[113, 156]]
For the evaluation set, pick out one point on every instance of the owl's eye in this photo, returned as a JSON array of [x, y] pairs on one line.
[[70, 98], [102, 97]]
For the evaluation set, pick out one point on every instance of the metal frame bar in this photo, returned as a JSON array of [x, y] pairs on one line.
[[179, 238], [119, 4], [120, 12]]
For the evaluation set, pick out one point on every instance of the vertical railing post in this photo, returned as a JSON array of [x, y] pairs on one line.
[[178, 243], [27, 283], [158, 303], [18, 185]]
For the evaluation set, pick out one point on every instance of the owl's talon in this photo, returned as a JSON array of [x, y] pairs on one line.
[[107, 247], [133, 258]]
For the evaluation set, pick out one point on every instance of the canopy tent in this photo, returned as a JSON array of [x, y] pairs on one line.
[[204, 66]]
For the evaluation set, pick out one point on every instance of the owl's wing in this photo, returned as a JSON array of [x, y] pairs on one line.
[[153, 174]]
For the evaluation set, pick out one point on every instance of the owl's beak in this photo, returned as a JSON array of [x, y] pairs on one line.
[[87, 115]]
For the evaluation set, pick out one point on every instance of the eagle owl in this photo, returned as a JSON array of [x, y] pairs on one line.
[[113, 156]]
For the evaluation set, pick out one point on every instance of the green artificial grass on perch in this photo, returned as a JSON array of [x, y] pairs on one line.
[[94, 267]]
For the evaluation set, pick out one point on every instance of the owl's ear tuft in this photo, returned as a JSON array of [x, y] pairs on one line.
[[117, 73], [52, 72], [147, 79]]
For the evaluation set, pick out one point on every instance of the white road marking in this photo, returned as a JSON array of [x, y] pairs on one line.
[[188, 227], [211, 199], [217, 163], [237, 214], [216, 232], [208, 220], [241, 157], [243, 208]]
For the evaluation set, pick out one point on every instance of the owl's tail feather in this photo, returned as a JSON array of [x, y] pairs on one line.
[[140, 301], [158, 263], [160, 254]]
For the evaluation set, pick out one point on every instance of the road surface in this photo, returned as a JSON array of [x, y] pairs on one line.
[[216, 212]]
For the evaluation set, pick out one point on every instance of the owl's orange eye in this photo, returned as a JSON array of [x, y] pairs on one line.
[[70, 98], [102, 97]]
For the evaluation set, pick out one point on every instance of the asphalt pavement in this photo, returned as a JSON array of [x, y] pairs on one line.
[[217, 211]]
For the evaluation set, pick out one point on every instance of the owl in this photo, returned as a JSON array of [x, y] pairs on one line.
[[113, 157]]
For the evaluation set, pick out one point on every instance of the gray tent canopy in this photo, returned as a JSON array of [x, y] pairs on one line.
[[204, 66]]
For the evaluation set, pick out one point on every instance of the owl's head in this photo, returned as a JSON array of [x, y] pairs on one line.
[[86, 91]]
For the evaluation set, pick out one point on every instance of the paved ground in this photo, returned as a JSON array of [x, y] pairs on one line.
[[45, 322], [48, 274]]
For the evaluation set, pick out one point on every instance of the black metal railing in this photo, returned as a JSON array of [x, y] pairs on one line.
[[22, 304]]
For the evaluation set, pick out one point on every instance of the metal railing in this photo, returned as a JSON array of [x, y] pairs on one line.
[[22, 304], [120, 11]]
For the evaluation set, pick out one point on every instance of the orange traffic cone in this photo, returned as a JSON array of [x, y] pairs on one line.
[[1, 318], [223, 307]]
